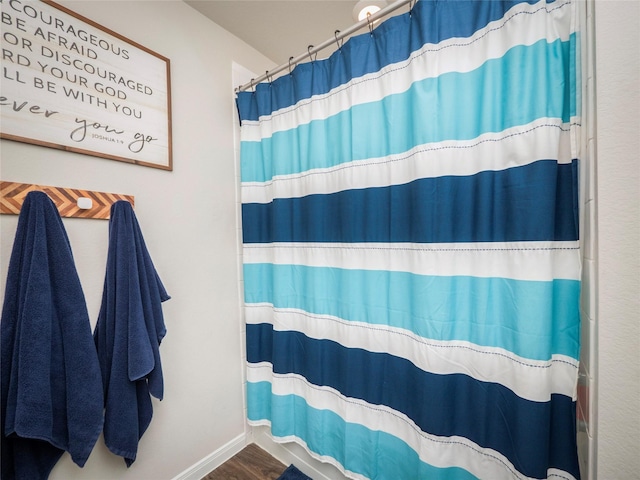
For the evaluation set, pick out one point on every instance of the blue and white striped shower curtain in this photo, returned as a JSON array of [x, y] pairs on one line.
[[411, 256]]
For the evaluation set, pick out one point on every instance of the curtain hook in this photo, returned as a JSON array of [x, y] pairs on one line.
[[309, 52], [269, 78], [338, 42], [290, 70], [251, 86], [370, 23], [411, 5]]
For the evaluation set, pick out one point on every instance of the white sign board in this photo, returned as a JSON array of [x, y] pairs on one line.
[[72, 84]]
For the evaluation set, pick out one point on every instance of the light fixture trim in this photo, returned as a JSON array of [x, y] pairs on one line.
[[364, 7]]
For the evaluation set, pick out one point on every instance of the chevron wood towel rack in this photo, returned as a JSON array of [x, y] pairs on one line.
[[12, 194]]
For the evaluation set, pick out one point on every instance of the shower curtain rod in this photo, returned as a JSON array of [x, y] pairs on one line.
[[337, 37]]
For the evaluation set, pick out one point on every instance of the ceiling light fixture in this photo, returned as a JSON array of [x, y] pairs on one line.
[[364, 8]]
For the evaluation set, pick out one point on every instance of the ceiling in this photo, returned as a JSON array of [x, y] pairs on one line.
[[280, 29]]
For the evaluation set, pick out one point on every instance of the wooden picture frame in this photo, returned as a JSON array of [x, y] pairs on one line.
[[72, 84]]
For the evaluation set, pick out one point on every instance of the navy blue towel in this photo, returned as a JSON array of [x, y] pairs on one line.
[[292, 473], [128, 334], [52, 398]]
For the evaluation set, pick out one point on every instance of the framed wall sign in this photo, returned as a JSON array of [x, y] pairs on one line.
[[71, 84]]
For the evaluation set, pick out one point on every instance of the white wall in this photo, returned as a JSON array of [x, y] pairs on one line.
[[188, 218], [617, 75]]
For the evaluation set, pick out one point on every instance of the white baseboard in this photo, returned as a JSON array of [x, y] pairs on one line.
[[214, 460], [289, 453], [292, 453]]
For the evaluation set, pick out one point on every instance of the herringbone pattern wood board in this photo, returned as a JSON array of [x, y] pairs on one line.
[[12, 194]]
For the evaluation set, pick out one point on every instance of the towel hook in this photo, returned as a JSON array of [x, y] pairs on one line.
[[71, 202]]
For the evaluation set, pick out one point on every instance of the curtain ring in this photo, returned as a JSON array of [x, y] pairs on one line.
[[411, 5], [309, 52], [269, 78], [338, 42], [290, 70], [370, 23], [251, 84]]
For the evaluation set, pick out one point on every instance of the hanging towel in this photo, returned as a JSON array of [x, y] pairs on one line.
[[52, 398], [292, 473], [128, 334]]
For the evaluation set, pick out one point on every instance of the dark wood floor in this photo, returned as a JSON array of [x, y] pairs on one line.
[[252, 463]]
